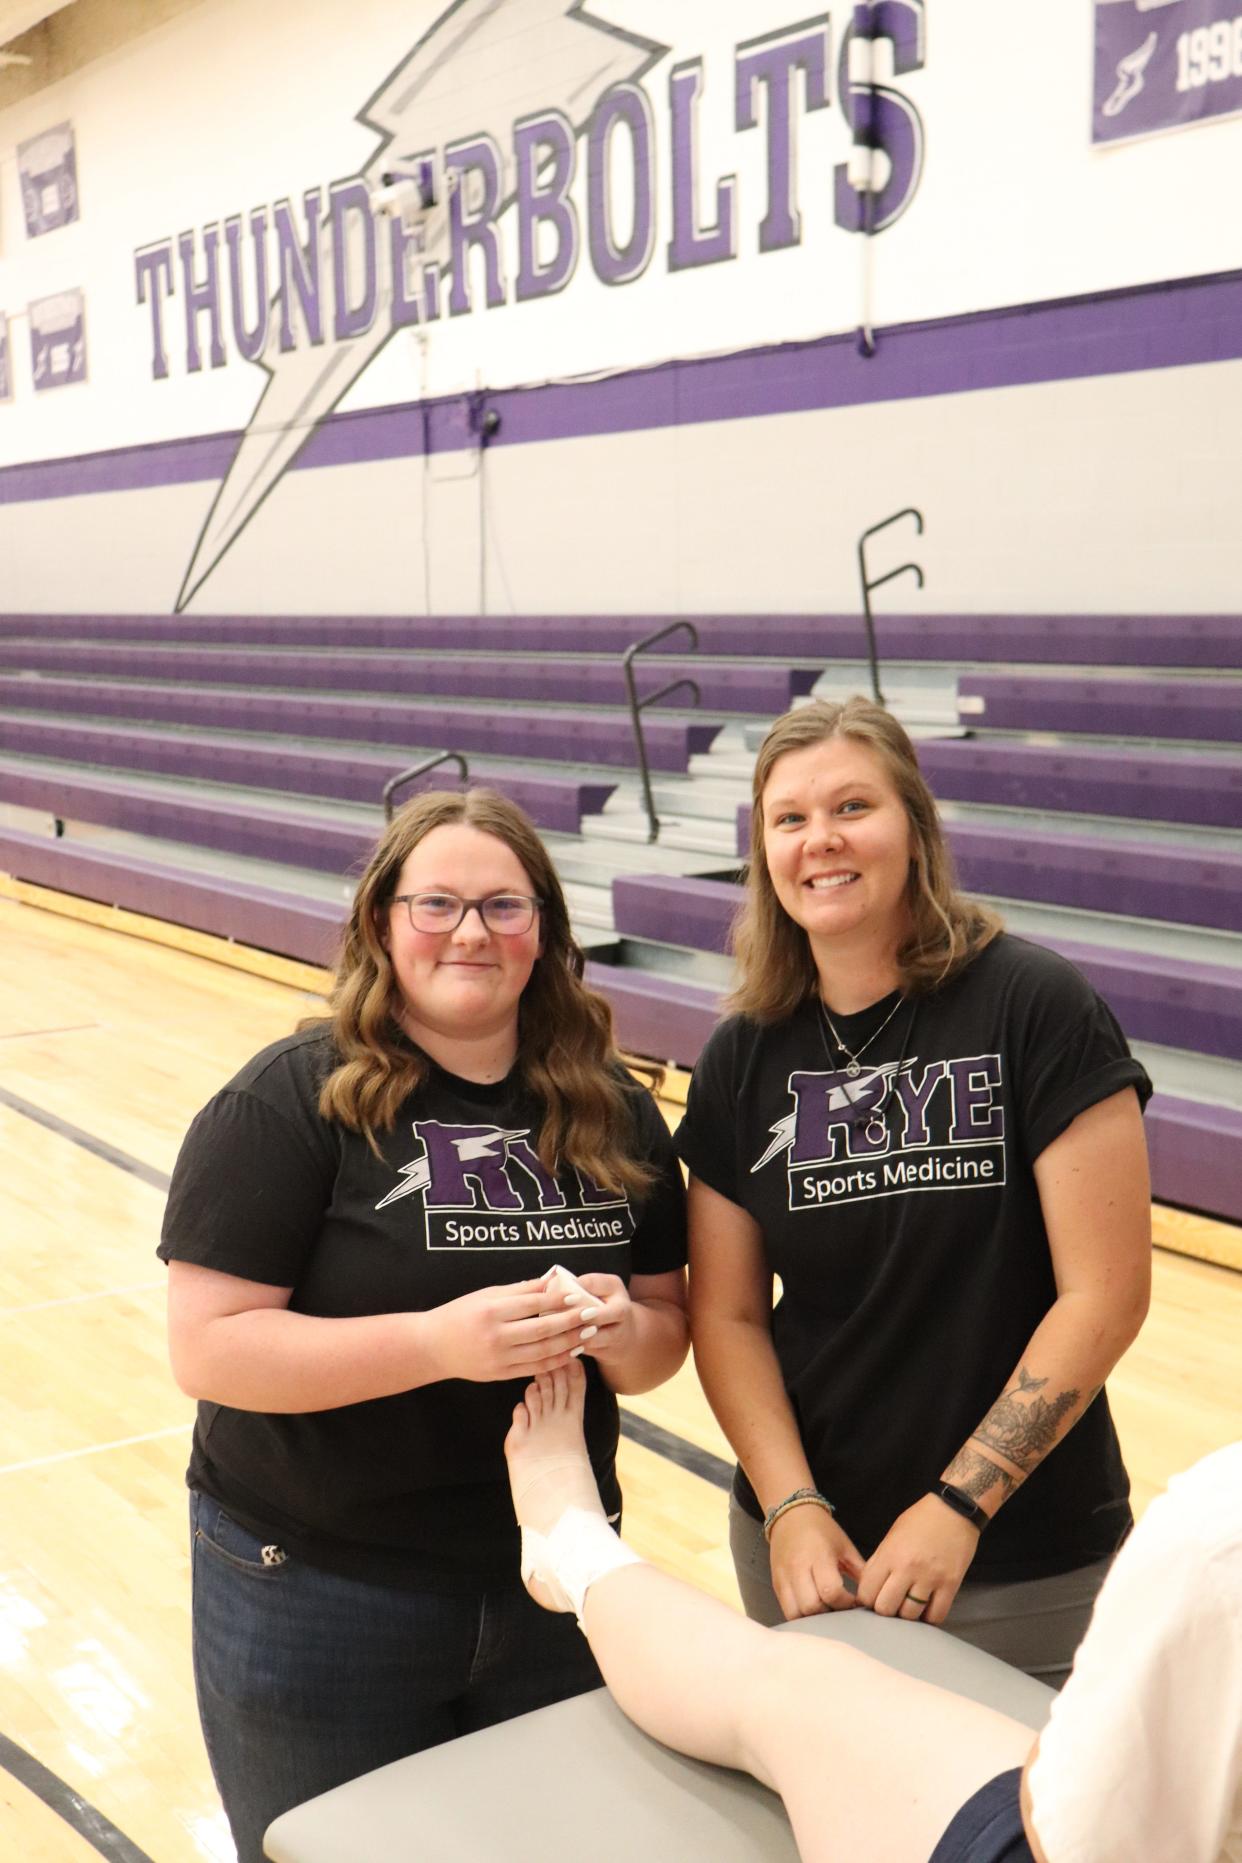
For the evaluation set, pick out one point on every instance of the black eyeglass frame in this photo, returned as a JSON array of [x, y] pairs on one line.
[[470, 905]]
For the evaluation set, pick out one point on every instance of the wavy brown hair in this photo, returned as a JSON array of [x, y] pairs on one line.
[[566, 1055], [776, 970]]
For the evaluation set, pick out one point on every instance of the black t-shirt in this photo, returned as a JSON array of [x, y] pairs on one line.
[[409, 1489], [914, 1262]]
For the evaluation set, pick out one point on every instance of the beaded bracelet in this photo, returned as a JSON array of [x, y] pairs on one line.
[[801, 1497]]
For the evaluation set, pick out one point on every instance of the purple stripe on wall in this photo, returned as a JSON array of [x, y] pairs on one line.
[[1168, 325]]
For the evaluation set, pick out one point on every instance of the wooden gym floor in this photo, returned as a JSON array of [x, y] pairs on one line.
[[113, 1031]]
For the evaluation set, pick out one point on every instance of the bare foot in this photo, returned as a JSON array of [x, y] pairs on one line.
[[549, 1470]]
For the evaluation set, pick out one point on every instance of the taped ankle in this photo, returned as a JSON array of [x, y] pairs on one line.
[[580, 1549]]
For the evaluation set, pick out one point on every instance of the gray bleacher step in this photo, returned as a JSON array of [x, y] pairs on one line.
[[305, 881], [1202, 944], [1107, 827], [919, 730], [707, 842], [707, 797], [917, 694], [673, 960], [589, 905], [1189, 1076], [737, 766], [599, 851]]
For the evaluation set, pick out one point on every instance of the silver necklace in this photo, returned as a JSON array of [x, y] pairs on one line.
[[875, 1122], [854, 1063]]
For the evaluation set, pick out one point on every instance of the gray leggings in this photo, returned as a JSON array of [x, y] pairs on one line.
[[1034, 1624]]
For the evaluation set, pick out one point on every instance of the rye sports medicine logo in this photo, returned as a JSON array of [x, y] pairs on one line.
[[943, 1129], [532, 168], [483, 1187]]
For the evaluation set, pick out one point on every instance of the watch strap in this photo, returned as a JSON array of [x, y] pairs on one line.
[[961, 1503]]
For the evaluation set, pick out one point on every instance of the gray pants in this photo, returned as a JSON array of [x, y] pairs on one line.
[[1034, 1624]]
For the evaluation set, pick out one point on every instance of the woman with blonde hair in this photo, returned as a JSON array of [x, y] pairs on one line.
[[360, 1233], [930, 1131]]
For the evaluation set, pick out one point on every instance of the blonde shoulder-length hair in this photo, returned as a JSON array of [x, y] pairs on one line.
[[566, 1055], [776, 970]]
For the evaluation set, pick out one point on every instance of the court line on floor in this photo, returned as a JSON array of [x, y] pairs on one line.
[[76, 1300], [98, 1831], [70, 1028], [99, 1148], [674, 1449], [74, 1810], [73, 1455]]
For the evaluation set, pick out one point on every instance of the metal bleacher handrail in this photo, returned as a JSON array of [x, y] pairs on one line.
[[420, 769], [867, 586], [637, 706]]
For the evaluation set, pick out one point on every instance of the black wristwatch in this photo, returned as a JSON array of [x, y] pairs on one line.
[[961, 1503]]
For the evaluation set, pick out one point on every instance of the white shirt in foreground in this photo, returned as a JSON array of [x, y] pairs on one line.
[[1141, 1760]]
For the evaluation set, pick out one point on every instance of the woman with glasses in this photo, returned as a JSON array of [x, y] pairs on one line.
[[360, 1235]]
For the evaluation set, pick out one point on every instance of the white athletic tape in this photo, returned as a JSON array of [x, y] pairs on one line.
[[580, 1549]]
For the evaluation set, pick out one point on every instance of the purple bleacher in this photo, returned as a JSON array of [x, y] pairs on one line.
[[260, 916], [762, 690], [670, 909], [667, 1018], [551, 801], [1071, 640], [560, 736], [259, 832], [1182, 708], [1182, 885], [1185, 886], [1196, 1154], [1200, 786], [1174, 1001]]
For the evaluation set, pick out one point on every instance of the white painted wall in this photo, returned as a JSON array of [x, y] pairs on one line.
[[1108, 493]]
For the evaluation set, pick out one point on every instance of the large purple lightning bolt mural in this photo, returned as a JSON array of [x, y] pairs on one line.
[[465, 60]]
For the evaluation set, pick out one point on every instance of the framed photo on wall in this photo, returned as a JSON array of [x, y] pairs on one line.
[[47, 169], [6, 361], [58, 340]]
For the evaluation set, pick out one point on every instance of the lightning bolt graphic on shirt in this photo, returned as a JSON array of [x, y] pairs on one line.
[[417, 1174], [839, 1098]]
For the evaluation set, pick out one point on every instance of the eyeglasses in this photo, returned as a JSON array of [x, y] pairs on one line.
[[508, 914]]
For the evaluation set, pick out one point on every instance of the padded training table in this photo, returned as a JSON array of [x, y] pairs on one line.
[[579, 1778]]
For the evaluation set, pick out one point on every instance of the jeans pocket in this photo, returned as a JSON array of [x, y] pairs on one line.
[[225, 1539]]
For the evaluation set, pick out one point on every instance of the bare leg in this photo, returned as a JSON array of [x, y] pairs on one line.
[[868, 1761]]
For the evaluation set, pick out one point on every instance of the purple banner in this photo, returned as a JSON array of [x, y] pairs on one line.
[[1161, 64], [47, 168], [58, 340], [6, 361]]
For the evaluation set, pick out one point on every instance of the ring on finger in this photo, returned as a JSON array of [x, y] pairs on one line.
[[912, 1598]]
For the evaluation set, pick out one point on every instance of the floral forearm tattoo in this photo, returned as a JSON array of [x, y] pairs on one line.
[[1022, 1425], [977, 1475]]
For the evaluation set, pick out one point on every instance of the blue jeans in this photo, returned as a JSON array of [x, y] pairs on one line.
[[306, 1679]]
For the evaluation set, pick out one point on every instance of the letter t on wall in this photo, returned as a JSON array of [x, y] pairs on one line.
[[153, 277], [771, 62]]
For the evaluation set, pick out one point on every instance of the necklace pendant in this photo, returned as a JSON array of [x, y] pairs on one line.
[[853, 1070]]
